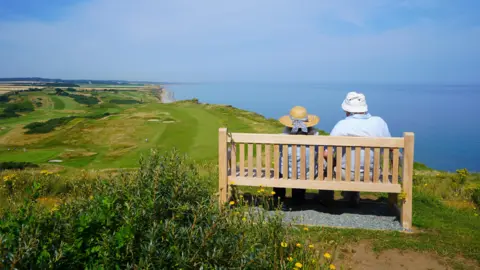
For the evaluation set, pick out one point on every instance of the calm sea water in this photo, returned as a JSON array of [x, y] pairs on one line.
[[443, 117]]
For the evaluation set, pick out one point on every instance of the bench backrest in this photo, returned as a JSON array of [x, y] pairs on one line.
[[258, 156]]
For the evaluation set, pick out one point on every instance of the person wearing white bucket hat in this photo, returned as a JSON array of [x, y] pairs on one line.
[[358, 123]]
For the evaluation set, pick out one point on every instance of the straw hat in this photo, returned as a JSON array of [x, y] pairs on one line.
[[355, 103], [299, 113]]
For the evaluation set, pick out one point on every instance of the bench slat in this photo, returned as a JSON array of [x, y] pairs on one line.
[[311, 162], [258, 157], [319, 185], [285, 161], [303, 162], [395, 166], [250, 160], [233, 161], [294, 162], [376, 164], [276, 164], [317, 140], [320, 162], [357, 163], [366, 173], [348, 165], [386, 161], [330, 164], [338, 166], [242, 159], [268, 161]]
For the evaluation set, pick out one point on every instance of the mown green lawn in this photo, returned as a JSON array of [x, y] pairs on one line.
[[119, 140]]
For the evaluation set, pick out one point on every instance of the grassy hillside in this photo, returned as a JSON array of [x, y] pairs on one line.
[[118, 140]]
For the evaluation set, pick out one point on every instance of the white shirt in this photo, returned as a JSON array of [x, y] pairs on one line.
[[360, 125]]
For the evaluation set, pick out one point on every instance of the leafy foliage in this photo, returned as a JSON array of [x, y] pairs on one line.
[[84, 99], [50, 125], [11, 165], [125, 101], [162, 217]]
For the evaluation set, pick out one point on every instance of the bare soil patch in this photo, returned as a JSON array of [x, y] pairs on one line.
[[361, 256]]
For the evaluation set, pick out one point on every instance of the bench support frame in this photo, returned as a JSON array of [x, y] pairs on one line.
[[393, 188]]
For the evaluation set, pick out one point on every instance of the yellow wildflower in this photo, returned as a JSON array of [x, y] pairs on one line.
[[232, 182], [332, 267], [262, 190], [327, 255], [259, 191], [314, 261], [305, 228], [426, 185], [232, 202], [290, 259], [241, 196], [244, 219], [283, 244], [91, 197], [299, 245], [310, 246], [298, 265], [273, 192]]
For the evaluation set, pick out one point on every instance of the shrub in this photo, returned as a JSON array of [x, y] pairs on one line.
[[4, 98], [84, 99], [24, 106], [125, 101], [11, 165], [161, 217], [476, 196], [50, 125], [6, 115], [45, 127]]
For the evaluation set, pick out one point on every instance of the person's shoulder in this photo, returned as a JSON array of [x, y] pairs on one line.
[[378, 119]]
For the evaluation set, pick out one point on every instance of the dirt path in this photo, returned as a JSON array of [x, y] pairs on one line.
[[361, 256]]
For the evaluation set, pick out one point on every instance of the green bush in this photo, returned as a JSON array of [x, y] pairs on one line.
[[6, 115], [4, 98], [45, 127], [24, 106], [50, 125], [84, 99], [161, 217], [125, 101], [476, 196], [11, 165]]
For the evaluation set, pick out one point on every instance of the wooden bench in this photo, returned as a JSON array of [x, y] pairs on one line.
[[258, 157]]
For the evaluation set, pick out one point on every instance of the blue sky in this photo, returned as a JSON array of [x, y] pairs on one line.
[[410, 41]]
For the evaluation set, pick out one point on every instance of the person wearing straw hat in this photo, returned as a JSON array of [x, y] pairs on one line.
[[298, 122], [358, 123]]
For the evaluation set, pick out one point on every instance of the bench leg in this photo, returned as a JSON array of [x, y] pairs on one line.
[[392, 200]]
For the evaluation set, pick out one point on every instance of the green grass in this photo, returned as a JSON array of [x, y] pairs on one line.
[[448, 232], [120, 140], [58, 103]]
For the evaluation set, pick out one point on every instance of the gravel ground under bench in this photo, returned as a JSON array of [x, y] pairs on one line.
[[368, 215]]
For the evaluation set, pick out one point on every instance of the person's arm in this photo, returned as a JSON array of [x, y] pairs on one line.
[[336, 131]]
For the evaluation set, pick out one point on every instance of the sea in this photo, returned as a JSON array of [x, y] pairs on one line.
[[443, 117]]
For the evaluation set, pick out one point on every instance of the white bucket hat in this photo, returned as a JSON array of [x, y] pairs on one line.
[[355, 103]]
